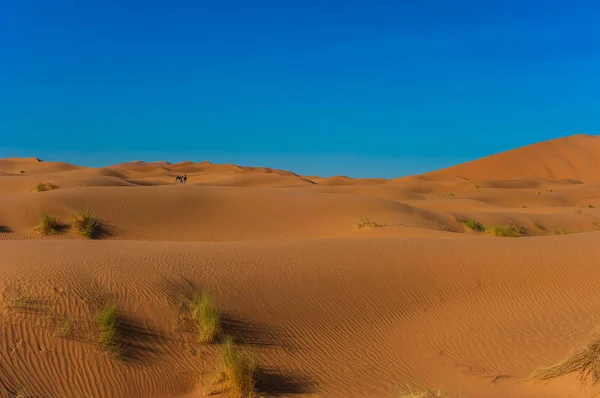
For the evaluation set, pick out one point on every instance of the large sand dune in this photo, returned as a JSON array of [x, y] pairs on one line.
[[329, 305]]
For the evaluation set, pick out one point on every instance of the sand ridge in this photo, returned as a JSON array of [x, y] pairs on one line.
[[341, 287]]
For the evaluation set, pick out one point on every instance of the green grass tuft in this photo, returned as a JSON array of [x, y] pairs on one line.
[[512, 231], [107, 322], [472, 224], [86, 224], [205, 316], [48, 224], [238, 369]]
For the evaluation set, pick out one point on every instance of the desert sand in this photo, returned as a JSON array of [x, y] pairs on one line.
[[340, 287]]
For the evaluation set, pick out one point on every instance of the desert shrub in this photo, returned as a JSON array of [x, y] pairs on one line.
[[364, 222], [206, 318], [48, 224], [107, 322], [511, 231], [86, 224], [42, 187], [472, 224], [238, 369]]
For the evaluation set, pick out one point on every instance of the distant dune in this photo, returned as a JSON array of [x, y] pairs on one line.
[[466, 279], [571, 158]]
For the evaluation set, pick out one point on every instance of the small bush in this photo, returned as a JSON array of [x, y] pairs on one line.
[[238, 369], [86, 224], [512, 231], [22, 171], [205, 316], [107, 322], [472, 224], [48, 224], [584, 361], [365, 222], [42, 187]]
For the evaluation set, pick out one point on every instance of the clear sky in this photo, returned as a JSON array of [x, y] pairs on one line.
[[360, 88]]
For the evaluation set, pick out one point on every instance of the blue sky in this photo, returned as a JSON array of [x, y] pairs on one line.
[[360, 88]]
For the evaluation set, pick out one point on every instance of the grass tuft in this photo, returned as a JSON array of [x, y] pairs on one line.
[[584, 361], [48, 224], [86, 224], [472, 224], [365, 222], [409, 393], [64, 329], [539, 226], [107, 322], [42, 187], [238, 369], [512, 231], [205, 317]]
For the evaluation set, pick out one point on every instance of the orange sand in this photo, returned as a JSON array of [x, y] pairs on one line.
[[329, 309]]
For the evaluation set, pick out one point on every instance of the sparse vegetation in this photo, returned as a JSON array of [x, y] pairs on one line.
[[107, 322], [206, 318], [584, 361], [447, 195], [472, 224], [238, 369], [48, 186], [365, 222], [511, 231], [539, 226], [64, 329], [559, 231], [86, 224], [409, 393], [48, 224], [18, 300]]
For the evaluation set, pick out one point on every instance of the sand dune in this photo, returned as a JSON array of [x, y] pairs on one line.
[[340, 287], [575, 157]]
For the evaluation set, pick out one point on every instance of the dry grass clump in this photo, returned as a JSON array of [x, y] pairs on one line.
[[472, 224], [48, 224], [86, 224], [64, 329], [42, 187], [238, 369], [559, 231], [107, 322], [365, 222], [584, 361], [206, 318], [409, 393], [512, 231]]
